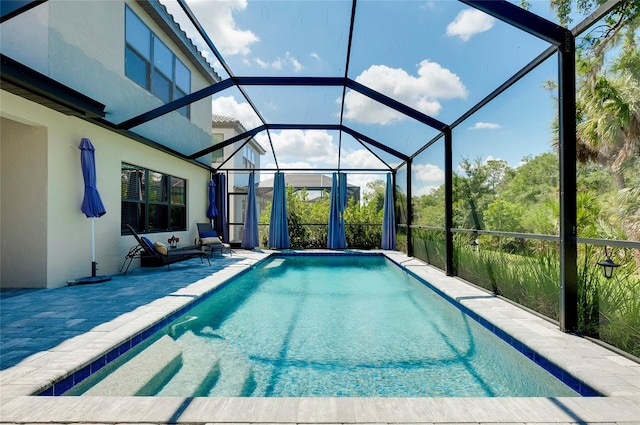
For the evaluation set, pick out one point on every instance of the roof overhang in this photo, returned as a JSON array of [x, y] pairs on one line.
[[32, 85]]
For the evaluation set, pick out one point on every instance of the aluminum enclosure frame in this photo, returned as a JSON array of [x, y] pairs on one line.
[[563, 43]]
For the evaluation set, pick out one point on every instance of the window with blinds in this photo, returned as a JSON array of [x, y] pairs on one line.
[[152, 201]]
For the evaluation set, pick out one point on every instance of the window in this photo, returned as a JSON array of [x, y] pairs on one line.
[[151, 64], [152, 201], [248, 158], [217, 155]]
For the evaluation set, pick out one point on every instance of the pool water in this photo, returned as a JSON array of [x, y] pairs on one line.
[[350, 325]]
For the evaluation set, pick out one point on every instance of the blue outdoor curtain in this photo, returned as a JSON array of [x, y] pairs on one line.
[[212, 211], [336, 238], [250, 238], [279, 225], [220, 221], [389, 217]]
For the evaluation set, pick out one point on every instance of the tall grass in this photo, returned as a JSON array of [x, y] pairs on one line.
[[532, 281], [608, 309], [429, 246]]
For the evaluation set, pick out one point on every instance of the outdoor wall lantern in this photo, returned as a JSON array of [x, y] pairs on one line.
[[474, 242], [608, 266]]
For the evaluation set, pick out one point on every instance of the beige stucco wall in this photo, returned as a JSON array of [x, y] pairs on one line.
[[55, 246], [23, 218]]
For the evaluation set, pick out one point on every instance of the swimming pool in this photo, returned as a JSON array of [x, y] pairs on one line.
[[362, 327]]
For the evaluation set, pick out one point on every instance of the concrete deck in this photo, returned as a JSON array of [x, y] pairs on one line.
[[50, 334]]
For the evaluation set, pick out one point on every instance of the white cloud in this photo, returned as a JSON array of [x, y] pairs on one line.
[[243, 112], [430, 5], [315, 146], [285, 165], [279, 63], [428, 173], [428, 177], [361, 180], [297, 66], [360, 158], [423, 190], [261, 63], [276, 64], [468, 23], [484, 125], [315, 56], [421, 93], [217, 19]]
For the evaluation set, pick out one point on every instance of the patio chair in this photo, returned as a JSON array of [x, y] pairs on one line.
[[156, 255], [209, 238]]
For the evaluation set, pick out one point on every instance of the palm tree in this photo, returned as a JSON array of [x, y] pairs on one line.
[[608, 131], [608, 90]]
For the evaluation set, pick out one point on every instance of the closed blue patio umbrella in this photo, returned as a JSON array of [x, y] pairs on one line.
[[279, 226], [212, 211], [336, 238], [92, 205], [389, 218], [250, 238]]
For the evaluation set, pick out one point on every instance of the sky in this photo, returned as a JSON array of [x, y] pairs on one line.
[[438, 57]]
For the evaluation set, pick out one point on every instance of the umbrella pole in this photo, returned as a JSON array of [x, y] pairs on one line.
[[93, 278], [93, 248]]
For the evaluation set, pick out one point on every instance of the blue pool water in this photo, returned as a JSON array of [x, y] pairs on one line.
[[338, 326]]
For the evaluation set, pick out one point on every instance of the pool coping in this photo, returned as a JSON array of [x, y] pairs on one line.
[[615, 376]]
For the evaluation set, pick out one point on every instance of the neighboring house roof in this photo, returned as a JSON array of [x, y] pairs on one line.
[[309, 181], [221, 119], [218, 121]]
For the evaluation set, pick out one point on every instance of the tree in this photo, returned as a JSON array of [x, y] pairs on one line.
[[428, 210], [308, 220], [363, 224], [534, 181], [374, 197], [608, 86], [504, 216], [476, 189]]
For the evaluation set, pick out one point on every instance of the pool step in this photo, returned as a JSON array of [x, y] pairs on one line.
[[200, 369], [143, 374], [211, 367], [236, 375]]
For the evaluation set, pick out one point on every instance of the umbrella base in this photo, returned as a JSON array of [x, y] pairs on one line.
[[91, 279]]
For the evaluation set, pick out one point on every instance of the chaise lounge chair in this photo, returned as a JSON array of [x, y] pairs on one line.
[[160, 257], [209, 238]]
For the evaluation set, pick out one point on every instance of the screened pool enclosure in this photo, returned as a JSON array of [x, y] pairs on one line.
[[474, 110]]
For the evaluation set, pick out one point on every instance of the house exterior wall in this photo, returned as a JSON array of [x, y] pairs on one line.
[[85, 50], [237, 179], [45, 238], [25, 38], [23, 205]]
